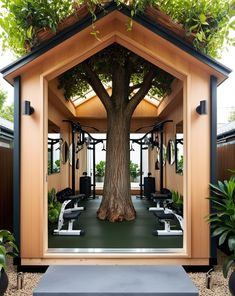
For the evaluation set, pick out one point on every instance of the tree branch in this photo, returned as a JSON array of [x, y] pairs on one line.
[[142, 92], [97, 85], [133, 87]]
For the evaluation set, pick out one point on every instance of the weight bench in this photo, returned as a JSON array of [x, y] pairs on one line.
[[160, 198], [166, 218], [69, 215]]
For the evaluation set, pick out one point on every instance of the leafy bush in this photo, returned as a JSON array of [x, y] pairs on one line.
[[134, 170], [208, 21], [177, 199], [223, 219], [21, 19], [100, 169], [54, 206], [7, 247]]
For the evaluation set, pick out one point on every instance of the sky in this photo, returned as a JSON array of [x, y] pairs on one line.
[[226, 91]]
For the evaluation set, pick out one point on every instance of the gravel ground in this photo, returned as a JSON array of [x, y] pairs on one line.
[[219, 284]]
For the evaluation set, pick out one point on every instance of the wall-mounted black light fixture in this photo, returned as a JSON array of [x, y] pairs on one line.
[[103, 148], [202, 108], [131, 148], [28, 110]]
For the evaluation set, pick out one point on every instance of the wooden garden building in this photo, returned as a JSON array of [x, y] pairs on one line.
[[189, 116]]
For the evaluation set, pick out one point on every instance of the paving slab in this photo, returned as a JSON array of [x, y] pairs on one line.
[[117, 280]]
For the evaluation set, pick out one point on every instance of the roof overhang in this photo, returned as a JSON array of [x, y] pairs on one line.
[[17, 67]]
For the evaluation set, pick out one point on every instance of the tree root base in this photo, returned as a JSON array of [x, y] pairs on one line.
[[115, 217]]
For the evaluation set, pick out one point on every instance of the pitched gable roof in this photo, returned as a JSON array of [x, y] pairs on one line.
[[170, 33]]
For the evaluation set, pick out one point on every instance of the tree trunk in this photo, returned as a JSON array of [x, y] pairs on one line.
[[116, 203]]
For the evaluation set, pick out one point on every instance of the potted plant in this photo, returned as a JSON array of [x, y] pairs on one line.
[[223, 221], [134, 171], [99, 171], [7, 248]]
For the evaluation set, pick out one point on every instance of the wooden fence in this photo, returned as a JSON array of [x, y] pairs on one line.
[[225, 160], [6, 188]]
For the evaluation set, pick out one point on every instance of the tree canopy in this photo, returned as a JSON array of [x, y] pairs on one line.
[[231, 117], [6, 111], [76, 82], [207, 21]]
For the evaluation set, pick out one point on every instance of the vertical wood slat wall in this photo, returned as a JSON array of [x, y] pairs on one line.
[[6, 200]]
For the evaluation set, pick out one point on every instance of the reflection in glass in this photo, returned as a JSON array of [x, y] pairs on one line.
[[53, 148], [171, 152], [179, 148]]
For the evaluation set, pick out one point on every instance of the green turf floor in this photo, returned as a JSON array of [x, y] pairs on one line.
[[104, 234]]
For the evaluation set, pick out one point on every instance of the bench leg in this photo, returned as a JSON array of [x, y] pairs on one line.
[[167, 230], [69, 231]]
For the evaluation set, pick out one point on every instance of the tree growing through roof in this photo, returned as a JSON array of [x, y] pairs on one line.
[[208, 22], [131, 78]]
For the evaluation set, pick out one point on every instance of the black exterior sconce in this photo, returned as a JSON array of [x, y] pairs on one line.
[[28, 110], [202, 108]]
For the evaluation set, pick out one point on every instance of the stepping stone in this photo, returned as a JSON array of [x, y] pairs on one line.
[[118, 280]]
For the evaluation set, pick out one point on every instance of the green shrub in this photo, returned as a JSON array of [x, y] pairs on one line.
[[223, 219], [177, 199], [7, 247], [54, 206], [100, 169], [134, 170]]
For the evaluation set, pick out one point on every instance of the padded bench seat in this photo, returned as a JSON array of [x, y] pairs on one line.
[[71, 215], [107, 280], [162, 215]]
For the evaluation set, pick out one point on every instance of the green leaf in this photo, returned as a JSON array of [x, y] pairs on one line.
[[231, 243], [29, 32], [227, 264], [203, 18], [223, 237], [231, 13], [193, 27], [2, 262], [219, 230]]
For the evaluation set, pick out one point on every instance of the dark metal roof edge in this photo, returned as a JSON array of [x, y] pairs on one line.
[[226, 134], [140, 18], [6, 130]]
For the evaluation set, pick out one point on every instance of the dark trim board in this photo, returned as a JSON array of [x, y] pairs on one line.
[[139, 18], [198, 268], [16, 159], [32, 268], [213, 152], [43, 268]]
